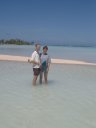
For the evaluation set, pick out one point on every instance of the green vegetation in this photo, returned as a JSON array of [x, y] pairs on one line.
[[16, 42]]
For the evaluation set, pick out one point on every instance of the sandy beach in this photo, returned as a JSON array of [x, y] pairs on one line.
[[54, 61]]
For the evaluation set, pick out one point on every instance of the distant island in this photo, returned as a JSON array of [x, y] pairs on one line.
[[65, 44], [16, 42]]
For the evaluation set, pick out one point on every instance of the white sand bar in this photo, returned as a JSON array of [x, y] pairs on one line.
[[55, 61]]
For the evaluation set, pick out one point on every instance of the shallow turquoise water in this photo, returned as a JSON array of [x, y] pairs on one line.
[[69, 100]]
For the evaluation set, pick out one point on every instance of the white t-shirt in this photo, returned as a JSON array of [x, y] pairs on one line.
[[45, 58], [35, 57]]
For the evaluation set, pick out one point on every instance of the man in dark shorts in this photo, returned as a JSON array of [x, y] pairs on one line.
[[35, 59]]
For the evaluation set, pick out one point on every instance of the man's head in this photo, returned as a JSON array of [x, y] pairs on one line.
[[37, 47]]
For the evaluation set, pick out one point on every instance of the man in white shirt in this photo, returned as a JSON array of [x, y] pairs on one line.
[[35, 59]]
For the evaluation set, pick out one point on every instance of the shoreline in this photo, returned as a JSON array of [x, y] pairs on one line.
[[53, 61]]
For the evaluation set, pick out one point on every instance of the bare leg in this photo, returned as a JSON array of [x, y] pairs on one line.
[[45, 77], [34, 80], [41, 75]]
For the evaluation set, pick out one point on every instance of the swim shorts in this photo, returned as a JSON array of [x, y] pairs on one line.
[[36, 71]]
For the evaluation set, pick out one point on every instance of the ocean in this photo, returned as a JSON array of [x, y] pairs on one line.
[[87, 54], [69, 99]]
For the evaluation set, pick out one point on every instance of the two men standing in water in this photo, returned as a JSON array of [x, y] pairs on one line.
[[41, 63]]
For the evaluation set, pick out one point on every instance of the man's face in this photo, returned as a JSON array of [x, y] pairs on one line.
[[38, 47]]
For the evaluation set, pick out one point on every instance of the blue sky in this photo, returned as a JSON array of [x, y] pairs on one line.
[[48, 20]]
